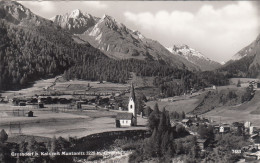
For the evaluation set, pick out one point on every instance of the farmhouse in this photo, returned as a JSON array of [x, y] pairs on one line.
[[22, 104], [224, 129], [187, 122], [247, 124], [30, 114], [128, 118], [202, 143]]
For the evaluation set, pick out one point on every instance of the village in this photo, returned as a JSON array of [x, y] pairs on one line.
[[106, 111]]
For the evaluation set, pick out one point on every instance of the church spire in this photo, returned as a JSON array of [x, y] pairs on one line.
[[132, 92]]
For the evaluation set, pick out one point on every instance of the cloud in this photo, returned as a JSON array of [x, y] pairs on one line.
[[40, 6], [95, 4], [217, 32]]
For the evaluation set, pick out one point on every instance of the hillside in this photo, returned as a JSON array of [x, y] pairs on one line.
[[33, 47], [223, 97], [247, 111], [246, 63], [117, 41]]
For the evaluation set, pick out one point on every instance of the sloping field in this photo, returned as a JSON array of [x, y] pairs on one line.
[[221, 97], [242, 112], [183, 103], [37, 88]]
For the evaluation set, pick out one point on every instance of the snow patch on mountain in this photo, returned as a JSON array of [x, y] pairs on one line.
[[222, 63], [95, 32], [75, 14], [186, 51], [137, 35], [194, 56]]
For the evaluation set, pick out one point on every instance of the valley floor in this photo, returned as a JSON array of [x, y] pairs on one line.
[[72, 123]]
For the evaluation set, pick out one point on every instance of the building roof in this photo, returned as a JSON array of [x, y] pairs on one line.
[[132, 92], [124, 116], [225, 126], [201, 140], [185, 120]]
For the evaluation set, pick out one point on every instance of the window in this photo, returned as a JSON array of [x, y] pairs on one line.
[[131, 106]]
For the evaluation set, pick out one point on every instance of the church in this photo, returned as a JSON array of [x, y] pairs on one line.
[[127, 119]]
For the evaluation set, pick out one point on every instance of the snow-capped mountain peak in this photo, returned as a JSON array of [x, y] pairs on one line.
[[193, 56], [186, 51], [111, 22], [75, 14], [76, 21]]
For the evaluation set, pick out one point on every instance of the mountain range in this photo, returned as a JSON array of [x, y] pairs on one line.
[[32, 47], [119, 42]]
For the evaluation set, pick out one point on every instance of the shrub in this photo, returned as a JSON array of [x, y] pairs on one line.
[[94, 157]]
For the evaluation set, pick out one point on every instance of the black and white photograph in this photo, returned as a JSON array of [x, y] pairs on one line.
[[129, 81]]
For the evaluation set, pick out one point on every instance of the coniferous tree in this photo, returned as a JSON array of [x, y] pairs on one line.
[[154, 118], [3, 136]]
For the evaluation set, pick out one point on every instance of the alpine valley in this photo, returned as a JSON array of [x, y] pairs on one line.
[[78, 88], [82, 46]]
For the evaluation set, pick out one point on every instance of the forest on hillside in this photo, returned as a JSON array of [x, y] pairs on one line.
[[29, 54], [241, 68]]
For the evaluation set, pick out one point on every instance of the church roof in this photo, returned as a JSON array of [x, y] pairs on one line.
[[132, 92], [124, 116]]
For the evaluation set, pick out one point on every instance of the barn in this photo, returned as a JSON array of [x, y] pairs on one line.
[[30, 114]]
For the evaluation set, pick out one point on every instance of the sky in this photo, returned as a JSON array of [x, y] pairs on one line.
[[218, 29]]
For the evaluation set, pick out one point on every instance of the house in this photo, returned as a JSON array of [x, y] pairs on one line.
[[251, 130], [250, 158], [124, 119], [258, 84], [186, 122], [202, 143], [253, 156], [254, 138], [238, 127], [30, 114], [216, 129], [79, 104], [254, 84], [40, 105], [247, 124], [224, 129], [22, 104]]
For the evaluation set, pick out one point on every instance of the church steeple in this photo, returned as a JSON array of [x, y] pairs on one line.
[[132, 92], [132, 105]]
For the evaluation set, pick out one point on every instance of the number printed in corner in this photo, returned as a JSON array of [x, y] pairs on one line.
[[236, 151]]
